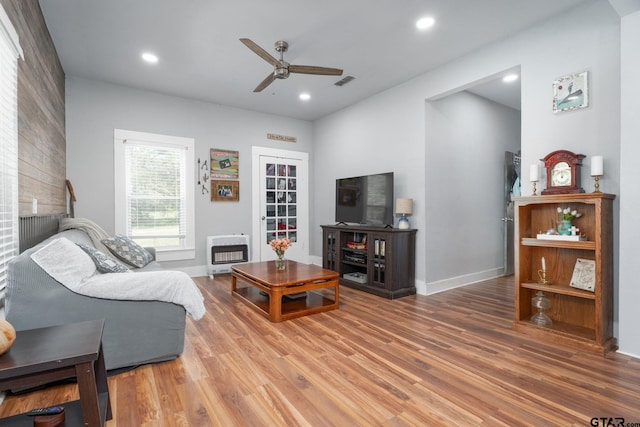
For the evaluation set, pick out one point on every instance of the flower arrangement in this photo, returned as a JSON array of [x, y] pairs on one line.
[[567, 214], [279, 246]]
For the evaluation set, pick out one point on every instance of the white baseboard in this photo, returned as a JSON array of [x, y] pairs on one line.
[[195, 271], [315, 260], [467, 279], [421, 287], [201, 270], [628, 354]]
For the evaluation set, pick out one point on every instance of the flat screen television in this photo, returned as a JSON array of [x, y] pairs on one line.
[[365, 199]]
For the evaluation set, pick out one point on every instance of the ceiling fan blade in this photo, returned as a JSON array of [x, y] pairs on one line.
[[266, 82], [310, 69], [260, 52]]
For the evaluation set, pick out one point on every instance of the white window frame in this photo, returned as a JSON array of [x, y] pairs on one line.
[[10, 51], [187, 250]]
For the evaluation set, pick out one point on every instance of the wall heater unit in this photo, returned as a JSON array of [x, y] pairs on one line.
[[224, 251]]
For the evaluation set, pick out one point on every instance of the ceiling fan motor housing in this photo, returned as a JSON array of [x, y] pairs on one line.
[[281, 71]]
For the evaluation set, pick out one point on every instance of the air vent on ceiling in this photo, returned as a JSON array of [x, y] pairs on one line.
[[344, 81]]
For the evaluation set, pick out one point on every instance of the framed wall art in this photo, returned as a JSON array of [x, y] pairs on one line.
[[571, 92], [224, 164], [225, 191]]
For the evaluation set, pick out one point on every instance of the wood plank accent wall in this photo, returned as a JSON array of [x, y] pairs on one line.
[[41, 113]]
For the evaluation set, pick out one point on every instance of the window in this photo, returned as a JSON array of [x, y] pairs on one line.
[[154, 202], [9, 52]]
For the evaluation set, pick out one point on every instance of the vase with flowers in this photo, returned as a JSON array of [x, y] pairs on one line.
[[279, 246], [565, 216]]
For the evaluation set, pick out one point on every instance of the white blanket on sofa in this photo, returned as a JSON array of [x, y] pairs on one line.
[[71, 266]]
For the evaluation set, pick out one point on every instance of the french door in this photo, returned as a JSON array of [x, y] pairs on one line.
[[282, 202]]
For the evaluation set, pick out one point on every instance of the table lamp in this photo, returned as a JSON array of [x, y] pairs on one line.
[[404, 207]]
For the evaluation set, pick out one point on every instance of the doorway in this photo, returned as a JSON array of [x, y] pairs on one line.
[[281, 202], [468, 132], [512, 185]]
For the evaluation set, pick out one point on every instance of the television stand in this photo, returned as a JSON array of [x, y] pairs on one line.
[[378, 260]]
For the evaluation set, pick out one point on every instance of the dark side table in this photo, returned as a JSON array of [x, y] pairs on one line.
[[45, 355]]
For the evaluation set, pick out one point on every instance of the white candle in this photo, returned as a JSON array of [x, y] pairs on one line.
[[534, 173], [596, 166], [544, 266]]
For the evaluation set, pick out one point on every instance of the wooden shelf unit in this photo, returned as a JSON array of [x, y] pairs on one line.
[[385, 255], [580, 318]]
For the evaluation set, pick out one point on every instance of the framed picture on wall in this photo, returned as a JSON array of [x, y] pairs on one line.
[[571, 92], [224, 163], [225, 191]]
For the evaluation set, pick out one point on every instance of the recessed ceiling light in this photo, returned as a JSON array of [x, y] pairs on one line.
[[424, 23], [305, 96], [149, 57], [510, 78]]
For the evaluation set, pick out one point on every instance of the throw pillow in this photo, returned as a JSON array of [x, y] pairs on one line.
[[104, 262], [128, 251], [65, 261]]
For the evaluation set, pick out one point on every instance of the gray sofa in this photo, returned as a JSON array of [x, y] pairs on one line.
[[135, 332]]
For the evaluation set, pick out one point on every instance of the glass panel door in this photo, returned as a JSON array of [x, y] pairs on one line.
[[280, 201]]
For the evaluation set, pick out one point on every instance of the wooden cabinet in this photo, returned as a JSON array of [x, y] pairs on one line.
[[376, 260], [579, 317]]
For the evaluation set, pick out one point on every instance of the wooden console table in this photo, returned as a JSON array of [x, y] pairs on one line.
[[45, 355], [297, 278]]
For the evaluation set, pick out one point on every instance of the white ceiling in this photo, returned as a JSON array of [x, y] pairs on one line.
[[202, 58]]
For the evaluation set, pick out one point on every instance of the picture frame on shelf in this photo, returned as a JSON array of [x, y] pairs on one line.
[[225, 190], [571, 92], [584, 275]]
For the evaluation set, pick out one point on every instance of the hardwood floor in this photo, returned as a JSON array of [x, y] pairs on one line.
[[445, 359]]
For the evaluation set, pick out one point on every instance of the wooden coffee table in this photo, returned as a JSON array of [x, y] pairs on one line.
[[269, 286]]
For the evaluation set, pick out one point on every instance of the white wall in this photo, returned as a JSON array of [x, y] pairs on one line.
[[379, 134], [95, 109], [467, 138], [585, 38], [629, 338]]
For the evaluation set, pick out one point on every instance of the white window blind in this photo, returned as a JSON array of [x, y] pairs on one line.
[[154, 199], [9, 52], [156, 193]]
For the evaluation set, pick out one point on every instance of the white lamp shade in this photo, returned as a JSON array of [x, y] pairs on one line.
[[404, 206]]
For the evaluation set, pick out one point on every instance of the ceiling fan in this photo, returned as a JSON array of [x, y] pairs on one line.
[[283, 68]]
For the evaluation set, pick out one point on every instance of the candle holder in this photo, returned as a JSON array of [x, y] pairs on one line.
[[542, 278], [597, 170], [534, 188], [597, 183]]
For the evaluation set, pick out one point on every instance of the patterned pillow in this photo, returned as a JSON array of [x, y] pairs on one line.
[[104, 262], [128, 251]]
